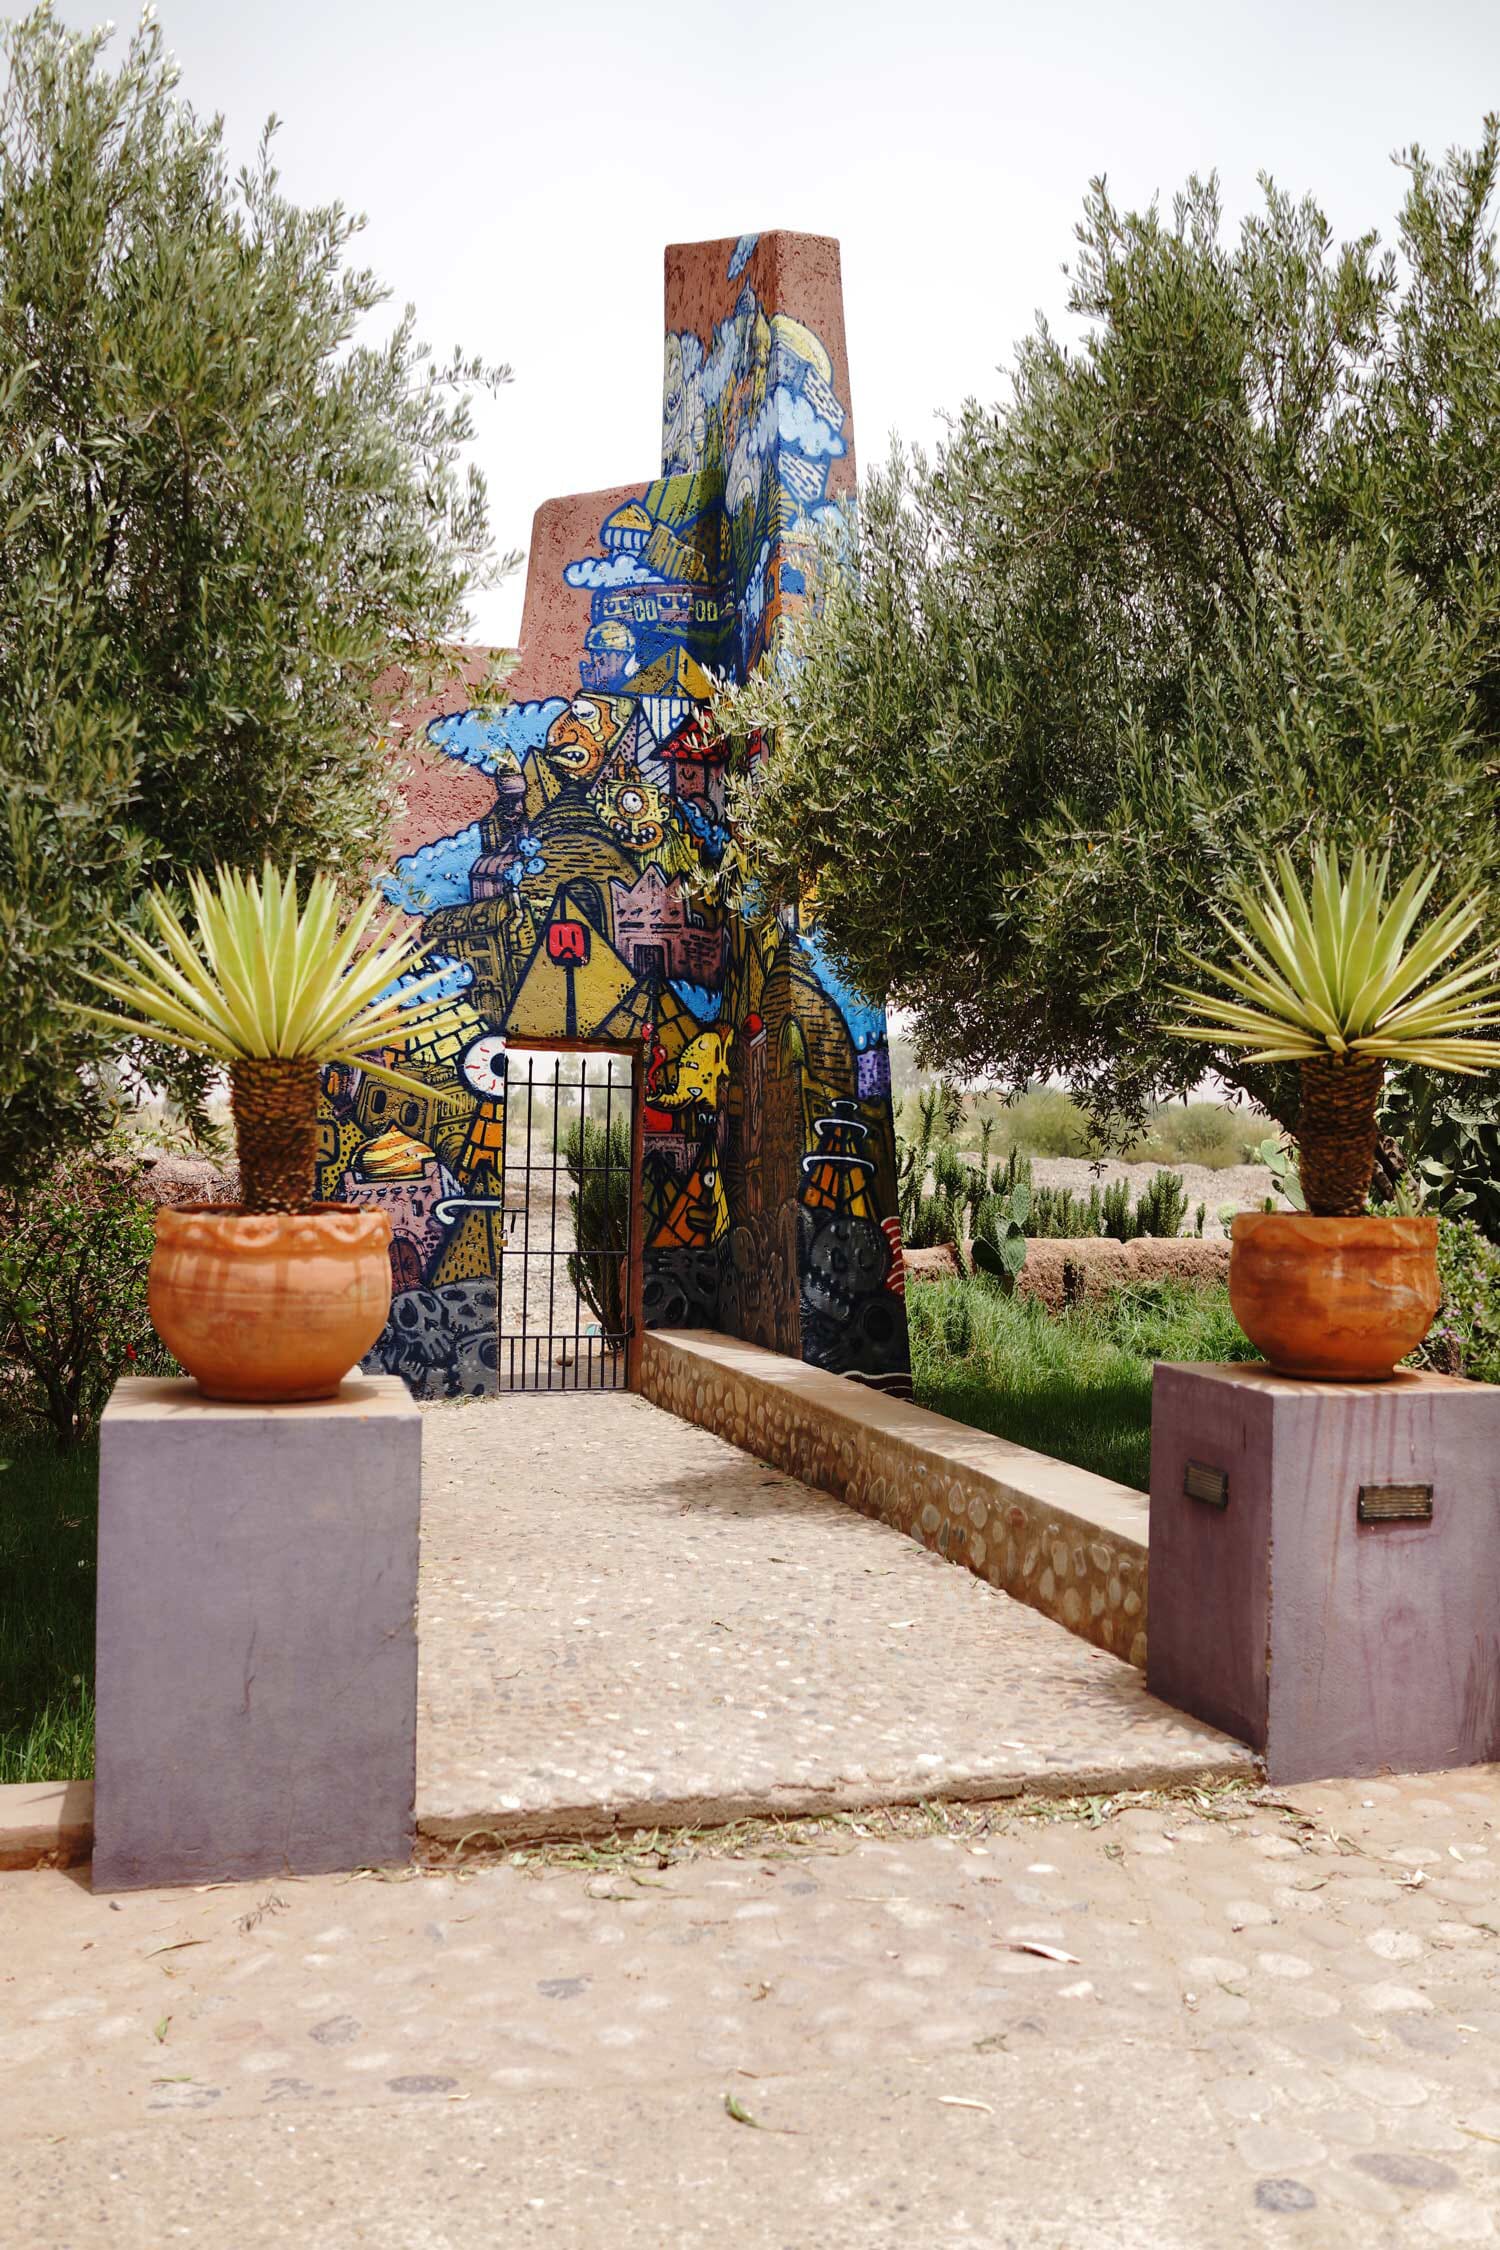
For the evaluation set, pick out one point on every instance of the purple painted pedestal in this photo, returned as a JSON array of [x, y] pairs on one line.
[[257, 1647], [1335, 1646]]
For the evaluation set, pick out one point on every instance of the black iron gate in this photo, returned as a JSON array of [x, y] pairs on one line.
[[566, 1265]]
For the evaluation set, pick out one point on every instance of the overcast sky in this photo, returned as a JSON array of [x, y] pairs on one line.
[[522, 167]]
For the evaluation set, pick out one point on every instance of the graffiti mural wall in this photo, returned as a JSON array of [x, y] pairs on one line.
[[550, 853]]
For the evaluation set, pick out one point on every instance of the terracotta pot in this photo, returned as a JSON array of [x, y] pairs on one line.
[[268, 1306], [1339, 1299]]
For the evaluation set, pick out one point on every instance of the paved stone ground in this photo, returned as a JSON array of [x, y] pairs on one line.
[[626, 1620], [1257, 2021]]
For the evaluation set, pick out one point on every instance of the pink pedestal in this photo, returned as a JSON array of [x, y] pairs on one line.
[[1288, 1607]]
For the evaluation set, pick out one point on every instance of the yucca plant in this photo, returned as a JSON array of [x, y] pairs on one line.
[[273, 990], [1341, 982]]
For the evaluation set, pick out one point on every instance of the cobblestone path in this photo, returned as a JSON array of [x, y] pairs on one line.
[[1226, 2020], [625, 1620]]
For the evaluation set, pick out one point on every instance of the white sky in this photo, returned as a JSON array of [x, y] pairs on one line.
[[523, 166]]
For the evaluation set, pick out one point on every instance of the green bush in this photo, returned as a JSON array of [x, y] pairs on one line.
[[74, 1251], [1465, 1337], [1208, 1133], [1044, 1121], [1449, 1140], [598, 1161], [48, 1511]]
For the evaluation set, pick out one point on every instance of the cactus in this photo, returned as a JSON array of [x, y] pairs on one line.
[[1280, 1155], [1014, 1172], [1162, 1207], [1059, 1213], [1119, 1219], [1000, 1236], [931, 1213]]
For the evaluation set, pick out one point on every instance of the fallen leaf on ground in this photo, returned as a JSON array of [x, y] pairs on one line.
[[742, 2116], [1044, 1952], [957, 2101]]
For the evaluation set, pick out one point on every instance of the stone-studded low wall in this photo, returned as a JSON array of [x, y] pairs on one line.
[[1066, 1542]]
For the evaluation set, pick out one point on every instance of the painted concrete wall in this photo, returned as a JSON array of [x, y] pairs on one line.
[[549, 852]]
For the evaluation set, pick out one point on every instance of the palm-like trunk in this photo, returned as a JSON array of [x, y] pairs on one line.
[[1337, 1135], [275, 1107]]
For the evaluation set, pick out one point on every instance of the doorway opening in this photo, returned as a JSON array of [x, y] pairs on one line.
[[568, 1266]]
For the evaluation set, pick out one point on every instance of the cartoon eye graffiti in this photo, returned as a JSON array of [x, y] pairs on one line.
[[635, 811], [482, 1064]]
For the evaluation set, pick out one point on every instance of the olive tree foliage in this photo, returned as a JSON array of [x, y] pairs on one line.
[[223, 513], [1222, 577]]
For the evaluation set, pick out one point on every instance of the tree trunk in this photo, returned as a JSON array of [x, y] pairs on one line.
[[275, 1106], [1337, 1134], [1273, 1087]]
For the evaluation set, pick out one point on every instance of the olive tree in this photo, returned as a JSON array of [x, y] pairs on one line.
[[225, 509], [1222, 576]]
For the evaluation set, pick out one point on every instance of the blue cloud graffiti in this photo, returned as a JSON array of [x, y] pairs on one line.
[[613, 570], [799, 424], [490, 738], [436, 875]]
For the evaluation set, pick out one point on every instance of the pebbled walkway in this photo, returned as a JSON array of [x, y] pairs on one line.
[[625, 1621], [1226, 2023]]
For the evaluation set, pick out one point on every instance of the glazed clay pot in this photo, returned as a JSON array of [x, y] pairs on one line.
[[270, 1306], [1339, 1299]]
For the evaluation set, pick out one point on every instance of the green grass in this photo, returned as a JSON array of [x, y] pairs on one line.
[[48, 1511], [1075, 1384]]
